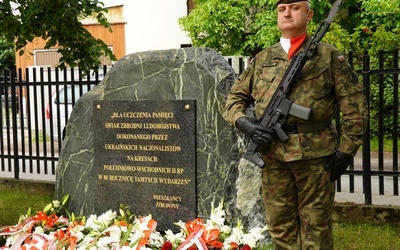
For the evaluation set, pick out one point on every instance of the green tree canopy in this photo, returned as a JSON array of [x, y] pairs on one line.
[[7, 54], [243, 27], [58, 23]]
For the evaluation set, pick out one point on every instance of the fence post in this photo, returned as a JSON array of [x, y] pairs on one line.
[[396, 123], [367, 135], [381, 116], [14, 125]]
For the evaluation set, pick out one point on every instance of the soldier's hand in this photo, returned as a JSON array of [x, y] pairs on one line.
[[255, 131], [338, 164]]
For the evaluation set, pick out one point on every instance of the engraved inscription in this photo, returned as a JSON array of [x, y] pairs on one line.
[[145, 157]]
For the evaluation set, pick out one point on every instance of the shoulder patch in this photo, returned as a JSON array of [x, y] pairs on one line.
[[341, 58]]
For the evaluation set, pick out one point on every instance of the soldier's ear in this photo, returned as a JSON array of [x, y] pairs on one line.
[[310, 14]]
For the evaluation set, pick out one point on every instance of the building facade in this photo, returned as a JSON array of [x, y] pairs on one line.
[[136, 26]]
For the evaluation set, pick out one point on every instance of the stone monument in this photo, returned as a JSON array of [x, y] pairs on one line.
[[199, 74]]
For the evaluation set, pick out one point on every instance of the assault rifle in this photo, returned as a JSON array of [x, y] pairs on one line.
[[279, 107]]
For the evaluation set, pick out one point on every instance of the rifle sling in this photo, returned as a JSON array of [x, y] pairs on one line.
[[293, 128]]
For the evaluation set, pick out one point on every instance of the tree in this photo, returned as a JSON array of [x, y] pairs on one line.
[[243, 27], [58, 23], [7, 54]]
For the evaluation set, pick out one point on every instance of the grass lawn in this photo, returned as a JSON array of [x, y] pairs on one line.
[[16, 199], [366, 236]]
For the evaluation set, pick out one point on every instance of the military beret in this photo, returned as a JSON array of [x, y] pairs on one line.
[[289, 1]]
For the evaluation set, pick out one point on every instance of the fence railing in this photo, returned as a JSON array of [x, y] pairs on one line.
[[380, 167], [34, 113]]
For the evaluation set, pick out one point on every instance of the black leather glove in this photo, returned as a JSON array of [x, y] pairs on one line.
[[255, 131], [338, 164]]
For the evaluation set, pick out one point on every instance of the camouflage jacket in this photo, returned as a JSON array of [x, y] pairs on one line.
[[327, 81]]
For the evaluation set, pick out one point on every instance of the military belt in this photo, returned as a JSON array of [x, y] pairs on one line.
[[295, 128]]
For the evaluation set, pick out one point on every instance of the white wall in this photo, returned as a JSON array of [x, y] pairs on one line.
[[152, 24]]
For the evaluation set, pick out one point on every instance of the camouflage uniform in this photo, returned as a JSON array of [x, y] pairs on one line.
[[297, 192]]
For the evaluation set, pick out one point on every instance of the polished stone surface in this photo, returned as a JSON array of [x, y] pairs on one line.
[[145, 158]]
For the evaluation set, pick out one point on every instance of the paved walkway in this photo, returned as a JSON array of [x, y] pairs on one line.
[[358, 196]]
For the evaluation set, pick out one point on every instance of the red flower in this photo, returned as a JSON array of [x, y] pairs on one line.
[[166, 246], [192, 247], [217, 244], [210, 235], [234, 245], [192, 226], [246, 247], [59, 234], [49, 220]]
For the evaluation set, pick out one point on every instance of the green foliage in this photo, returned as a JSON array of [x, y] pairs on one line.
[[382, 106], [232, 27], [7, 54], [387, 145], [244, 27], [58, 22], [372, 26]]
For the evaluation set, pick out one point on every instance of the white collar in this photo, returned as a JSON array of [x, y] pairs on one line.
[[285, 43]]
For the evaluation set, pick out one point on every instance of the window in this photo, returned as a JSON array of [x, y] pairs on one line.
[[51, 58], [190, 5]]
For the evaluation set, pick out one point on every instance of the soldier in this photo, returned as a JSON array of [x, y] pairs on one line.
[[298, 178]]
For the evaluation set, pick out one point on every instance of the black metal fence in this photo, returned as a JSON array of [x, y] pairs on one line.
[[380, 169], [34, 112]]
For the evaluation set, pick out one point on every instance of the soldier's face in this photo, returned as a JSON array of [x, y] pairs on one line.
[[293, 18]]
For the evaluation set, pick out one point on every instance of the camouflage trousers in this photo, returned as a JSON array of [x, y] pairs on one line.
[[298, 198]]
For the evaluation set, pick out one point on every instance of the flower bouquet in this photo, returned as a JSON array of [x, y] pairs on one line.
[[48, 229]]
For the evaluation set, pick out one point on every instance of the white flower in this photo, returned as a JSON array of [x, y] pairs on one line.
[[115, 233], [107, 217], [174, 239], [86, 242], [90, 222], [249, 239], [235, 237], [56, 204], [38, 230], [125, 248], [76, 231], [181, 225], [100, 232], [225, 229], [143, 223], [102, 222], [217, 216], [135, 237], [257, 232], [156, 239], [104, 242]]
